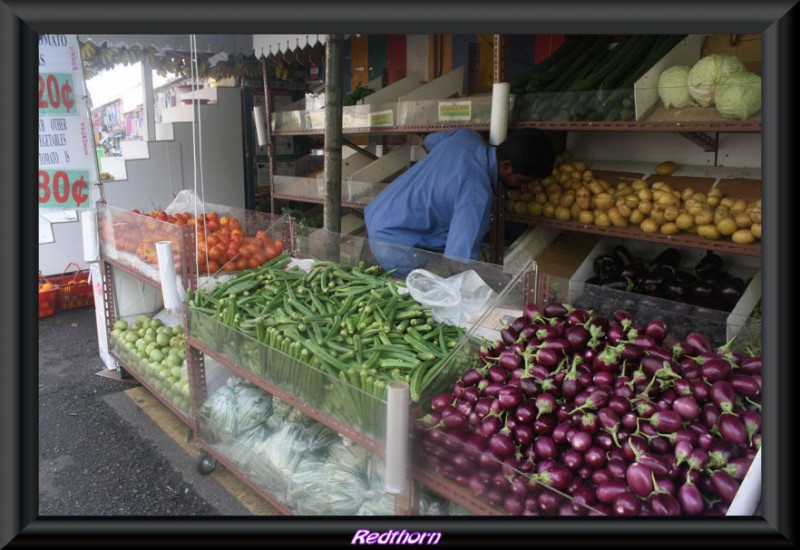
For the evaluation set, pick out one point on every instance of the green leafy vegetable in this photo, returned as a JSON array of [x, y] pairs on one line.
[[673, 87], [708, 72], [739, 95]]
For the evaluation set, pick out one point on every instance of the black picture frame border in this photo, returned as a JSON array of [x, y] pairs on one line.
[[20, 22]]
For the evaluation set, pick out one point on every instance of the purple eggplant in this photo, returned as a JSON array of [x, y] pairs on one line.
[[724, 485], [698, 342], [531, 311], [751, 366], [715, 369], [657, 464], [625, 504], [737, 468], [639, 479], [545, 447], [666, 421], [687, 407], [723, 395], [664, 504], [608, 491], [745, 384], [732, 429], [555, 310], [691, 500], [752, 423], [656, 329], [709, 264]]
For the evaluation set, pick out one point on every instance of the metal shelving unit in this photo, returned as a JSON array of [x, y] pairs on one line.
[[185, 250]]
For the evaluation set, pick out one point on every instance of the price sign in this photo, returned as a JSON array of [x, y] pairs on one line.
[[64, 188], [67, 158], [56, 94]]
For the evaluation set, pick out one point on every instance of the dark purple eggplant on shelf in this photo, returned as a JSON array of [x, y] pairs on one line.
[[699, 291], [622, 255], [708, 264], [669, 256], [618, 282], [634, 270], [684, 276], [730, 291], [606, 266], [675, 289]]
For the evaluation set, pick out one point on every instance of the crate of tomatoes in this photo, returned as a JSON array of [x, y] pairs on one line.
[[74, 289], [48, 296]]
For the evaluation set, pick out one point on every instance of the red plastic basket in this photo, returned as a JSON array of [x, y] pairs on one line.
[[74, 288], [47, 298]]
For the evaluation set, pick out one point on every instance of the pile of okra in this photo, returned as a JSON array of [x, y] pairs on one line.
[[356, 323]]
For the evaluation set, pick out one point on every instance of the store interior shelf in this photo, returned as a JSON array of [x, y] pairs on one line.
[[304, 407], [189, 421], [155, 283], [681, 239], [654, 123]]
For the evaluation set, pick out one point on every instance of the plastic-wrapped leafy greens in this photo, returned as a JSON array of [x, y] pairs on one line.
[[274, 459], [240, 450], [220, 412], [316, 438], [253, 406], [344, 451], [235, 408], [323, 488], [280, 410]]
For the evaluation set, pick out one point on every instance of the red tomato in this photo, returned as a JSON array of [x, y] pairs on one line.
[[212, 266], [229, 266], [253, 262], [278, 246], [269, 252]]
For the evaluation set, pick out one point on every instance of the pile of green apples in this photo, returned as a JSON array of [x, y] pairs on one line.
[[157, 353]]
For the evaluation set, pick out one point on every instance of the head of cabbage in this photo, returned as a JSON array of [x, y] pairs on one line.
[[739, 95], [708, 72], [673, 87]]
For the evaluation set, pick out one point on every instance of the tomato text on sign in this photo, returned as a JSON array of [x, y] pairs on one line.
[[65, 188]]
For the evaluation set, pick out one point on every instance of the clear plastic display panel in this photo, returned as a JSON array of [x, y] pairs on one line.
[[496, 473], [313, 189], [156, 351], [457, 111], [592, 105], [344, 389], [130, 238]]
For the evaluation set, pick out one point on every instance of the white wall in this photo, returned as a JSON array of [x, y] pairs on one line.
[[739, 154], [152, 183], [68, 247]]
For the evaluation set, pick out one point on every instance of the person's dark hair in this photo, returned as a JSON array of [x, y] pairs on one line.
[[530, 152]]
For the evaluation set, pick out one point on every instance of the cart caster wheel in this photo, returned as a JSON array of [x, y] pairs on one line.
[[206, 465]]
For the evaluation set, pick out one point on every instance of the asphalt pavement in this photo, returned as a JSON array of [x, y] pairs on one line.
[[100, 453]]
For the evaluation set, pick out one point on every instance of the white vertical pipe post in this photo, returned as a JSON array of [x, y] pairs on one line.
[[169, 281], [397, 399], [498, 128], [91, 243], [260, 117]]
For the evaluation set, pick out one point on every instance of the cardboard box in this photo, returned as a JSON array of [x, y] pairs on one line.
[[719, 326]]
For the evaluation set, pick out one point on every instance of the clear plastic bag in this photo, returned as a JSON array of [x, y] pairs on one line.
[[456, 300]]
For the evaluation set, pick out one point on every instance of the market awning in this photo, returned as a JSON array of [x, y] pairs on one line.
[[208, 43]]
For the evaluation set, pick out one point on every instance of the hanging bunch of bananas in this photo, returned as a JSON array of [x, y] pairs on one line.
[[282, 71], [99, 58]]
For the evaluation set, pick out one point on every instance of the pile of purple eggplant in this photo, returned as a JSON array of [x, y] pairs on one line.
[[576, 414], [708, 285]]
